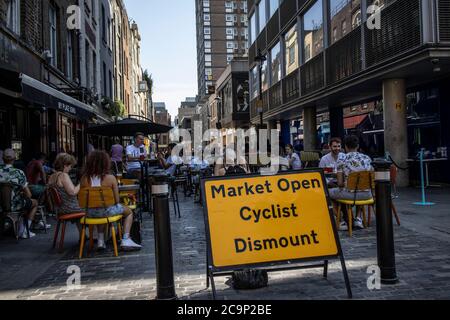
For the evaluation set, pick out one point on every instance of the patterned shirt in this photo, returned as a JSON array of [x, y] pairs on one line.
[[9, 174], [353, 162]]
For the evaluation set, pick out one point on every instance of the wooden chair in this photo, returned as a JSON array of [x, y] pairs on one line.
[[15, 217], [56, 202], [91, 198], [357, 182]]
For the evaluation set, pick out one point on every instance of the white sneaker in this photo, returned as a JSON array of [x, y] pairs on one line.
[[129, 244], [41, 225], [358, 224], [25, 235], [101, 246], [343, 226]]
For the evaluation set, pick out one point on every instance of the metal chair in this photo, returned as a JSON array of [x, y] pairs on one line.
[[7, 213]]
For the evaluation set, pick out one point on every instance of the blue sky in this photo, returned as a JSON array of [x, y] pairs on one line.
[[168, 47]]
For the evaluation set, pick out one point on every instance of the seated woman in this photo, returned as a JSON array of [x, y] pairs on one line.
[[61, 181], [97, 174]]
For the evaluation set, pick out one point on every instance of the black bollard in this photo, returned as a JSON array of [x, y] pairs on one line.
[[385, 228], [163, 239]]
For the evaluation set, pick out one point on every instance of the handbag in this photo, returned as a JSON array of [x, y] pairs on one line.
[[250, 279]]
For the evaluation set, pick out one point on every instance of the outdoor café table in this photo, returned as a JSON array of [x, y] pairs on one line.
[[145, 175], [427, 163]]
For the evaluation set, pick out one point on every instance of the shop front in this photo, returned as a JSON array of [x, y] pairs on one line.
[[35, 117]]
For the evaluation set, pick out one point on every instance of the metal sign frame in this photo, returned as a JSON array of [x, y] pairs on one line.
[[274, 266]]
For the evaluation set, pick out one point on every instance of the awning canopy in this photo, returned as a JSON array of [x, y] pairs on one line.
[[46, 96], [353, 122], [21, 86], [127, 128]]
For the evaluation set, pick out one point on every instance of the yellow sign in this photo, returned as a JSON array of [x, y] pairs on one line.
[[267, 219]]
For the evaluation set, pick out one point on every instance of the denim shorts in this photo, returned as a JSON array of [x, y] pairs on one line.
[[115, 210]]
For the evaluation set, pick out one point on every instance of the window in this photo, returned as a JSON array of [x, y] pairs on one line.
[[105, 88], [291, 46], [340, 14], [206, 3], [69, 55], [208, 57], [230, 45], [208, 44], [252, 28], [264, 76], [229, 17], [273, 7], [344, 27], [94, 69], [230, 31], [103, 24], [228, 4], [53, 35], [262, 15], [356, 20], [88, 63], [275, 54], [13, 15], [207, 30], [254, 83], [313, 31], [206, 17]]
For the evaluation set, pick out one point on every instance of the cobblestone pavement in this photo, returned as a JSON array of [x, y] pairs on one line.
[[39, 273]]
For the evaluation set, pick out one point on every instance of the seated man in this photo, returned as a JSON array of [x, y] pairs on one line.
[[36, 176], [21, 194], [135, 152], [330, 160], [352, 161], [170, 163]]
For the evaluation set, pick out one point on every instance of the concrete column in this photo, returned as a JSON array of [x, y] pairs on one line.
[[337, 122], [395, 125], [286, 132], [310, 128]]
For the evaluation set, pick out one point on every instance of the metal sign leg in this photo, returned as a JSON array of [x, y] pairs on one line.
[[346, 278]]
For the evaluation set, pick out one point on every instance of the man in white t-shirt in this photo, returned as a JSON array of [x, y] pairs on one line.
[[170, 164], [135, 153], [330, 160]]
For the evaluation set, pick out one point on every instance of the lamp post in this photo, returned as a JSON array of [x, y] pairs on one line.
[[260, 58]]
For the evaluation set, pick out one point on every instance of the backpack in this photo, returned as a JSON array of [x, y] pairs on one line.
[[250, 279]]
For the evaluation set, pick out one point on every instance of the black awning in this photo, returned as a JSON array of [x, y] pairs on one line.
[[41, 94]]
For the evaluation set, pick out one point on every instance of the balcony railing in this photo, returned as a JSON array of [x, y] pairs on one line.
[[275, 95], [291, 87], [444, 20], [312, 74], [400, 31], [344, 57]]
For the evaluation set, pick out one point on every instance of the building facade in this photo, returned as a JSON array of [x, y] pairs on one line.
[[222, 34], [327, 55], [162, 116], [57, 66]]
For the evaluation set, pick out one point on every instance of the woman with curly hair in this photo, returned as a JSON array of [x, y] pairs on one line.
[[97, 174]]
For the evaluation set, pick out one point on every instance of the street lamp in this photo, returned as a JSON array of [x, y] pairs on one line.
[[260, 58]]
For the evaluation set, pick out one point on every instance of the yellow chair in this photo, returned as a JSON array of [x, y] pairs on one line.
[[91, 198], [357, 182]]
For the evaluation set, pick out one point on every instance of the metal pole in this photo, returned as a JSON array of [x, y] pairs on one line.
[[385, 228], [163, 240], [422, 179]]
